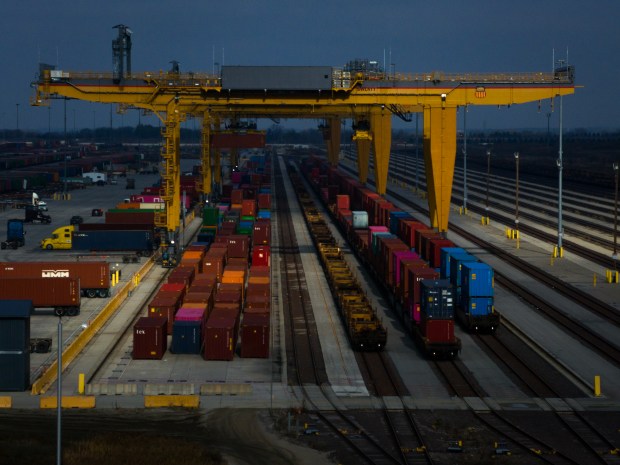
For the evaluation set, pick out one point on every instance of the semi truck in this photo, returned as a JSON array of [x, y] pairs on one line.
[[139, 241], [15, 234], [35, 215], [62, 295], [94, 277]]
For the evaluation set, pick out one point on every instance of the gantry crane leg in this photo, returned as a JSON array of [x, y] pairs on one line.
[[205, 159], [439, 159], [333, 144], [171, 176], [363, 156], [381, 127]]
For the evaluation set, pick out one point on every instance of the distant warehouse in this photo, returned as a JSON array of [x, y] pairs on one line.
[[278, 78]]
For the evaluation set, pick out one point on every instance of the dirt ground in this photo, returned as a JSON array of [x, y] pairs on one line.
[[232, 437]]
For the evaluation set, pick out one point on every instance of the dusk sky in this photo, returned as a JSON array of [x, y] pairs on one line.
[[450, 36]]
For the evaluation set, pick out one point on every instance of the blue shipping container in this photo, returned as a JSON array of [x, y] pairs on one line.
[[437, 299], [477, 306], [445, 255], [186, 337], [476, 280], [15, 344], [395, 218]]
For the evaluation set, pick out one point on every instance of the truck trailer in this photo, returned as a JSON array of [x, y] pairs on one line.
[[15, 234], [62, 294], [139, 241], [94, 276]]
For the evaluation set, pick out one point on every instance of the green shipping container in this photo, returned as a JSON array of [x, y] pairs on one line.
[[210, 216]]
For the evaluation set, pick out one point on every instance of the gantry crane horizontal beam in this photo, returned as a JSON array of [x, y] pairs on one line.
[[372, 98]]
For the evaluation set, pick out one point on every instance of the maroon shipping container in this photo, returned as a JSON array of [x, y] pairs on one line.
[[183, 275], [437, 331], [115, 226], [407, 229], [165, 305], [425, 243], [255, 335], [220, 335], [236, 196], [62, 294], [149, 338], [94, 276], [261, 233], [435, 251], [213, 265], [238, 246], [120, 217], [261, 256], [257, 300], [257, 289], [264, 201], [195, 263]]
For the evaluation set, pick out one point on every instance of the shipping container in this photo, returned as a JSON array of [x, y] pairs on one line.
[[149, 338], [140, 242], [220, 338], [60, 294], [15, 345], [437, 299], [164, 305], [94, 277], [255, 335]]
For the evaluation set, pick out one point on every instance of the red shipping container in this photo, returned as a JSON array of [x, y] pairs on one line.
[[438, 331], [248, 208], [213, 265], [183, 275], [407, 229], [257, 300], [261, 256], [264, 201], [258, 289], [255, 335], [343, 202], [149, 338]]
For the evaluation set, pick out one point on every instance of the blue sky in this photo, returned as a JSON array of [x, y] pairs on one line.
[[451, 36]]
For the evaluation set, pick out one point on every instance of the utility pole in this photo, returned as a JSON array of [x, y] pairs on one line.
[[560, 250], [615, 254], [517, 198], [486, 219], [465, 159]]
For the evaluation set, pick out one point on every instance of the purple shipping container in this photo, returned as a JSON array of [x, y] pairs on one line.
[[149, 338]]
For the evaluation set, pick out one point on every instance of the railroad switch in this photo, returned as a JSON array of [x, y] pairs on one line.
[[455, 446]]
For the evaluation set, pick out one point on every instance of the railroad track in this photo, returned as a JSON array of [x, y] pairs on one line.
[[305, 359]]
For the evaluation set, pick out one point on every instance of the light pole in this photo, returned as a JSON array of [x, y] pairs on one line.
[[17, 116], [517, 198], [615, 254], [416, 151], [67, 157], [560, 250], [465, 160], [59, 396], [94, 130], [486, 219]]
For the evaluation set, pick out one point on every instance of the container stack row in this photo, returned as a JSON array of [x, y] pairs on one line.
[[406, 257], [221, 299]]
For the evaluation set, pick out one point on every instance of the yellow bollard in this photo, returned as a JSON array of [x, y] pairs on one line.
[[594, 283], [81, 383], [118, 276], [597, 386]]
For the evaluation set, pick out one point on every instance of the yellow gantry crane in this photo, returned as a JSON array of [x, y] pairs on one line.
[[318, 92]]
